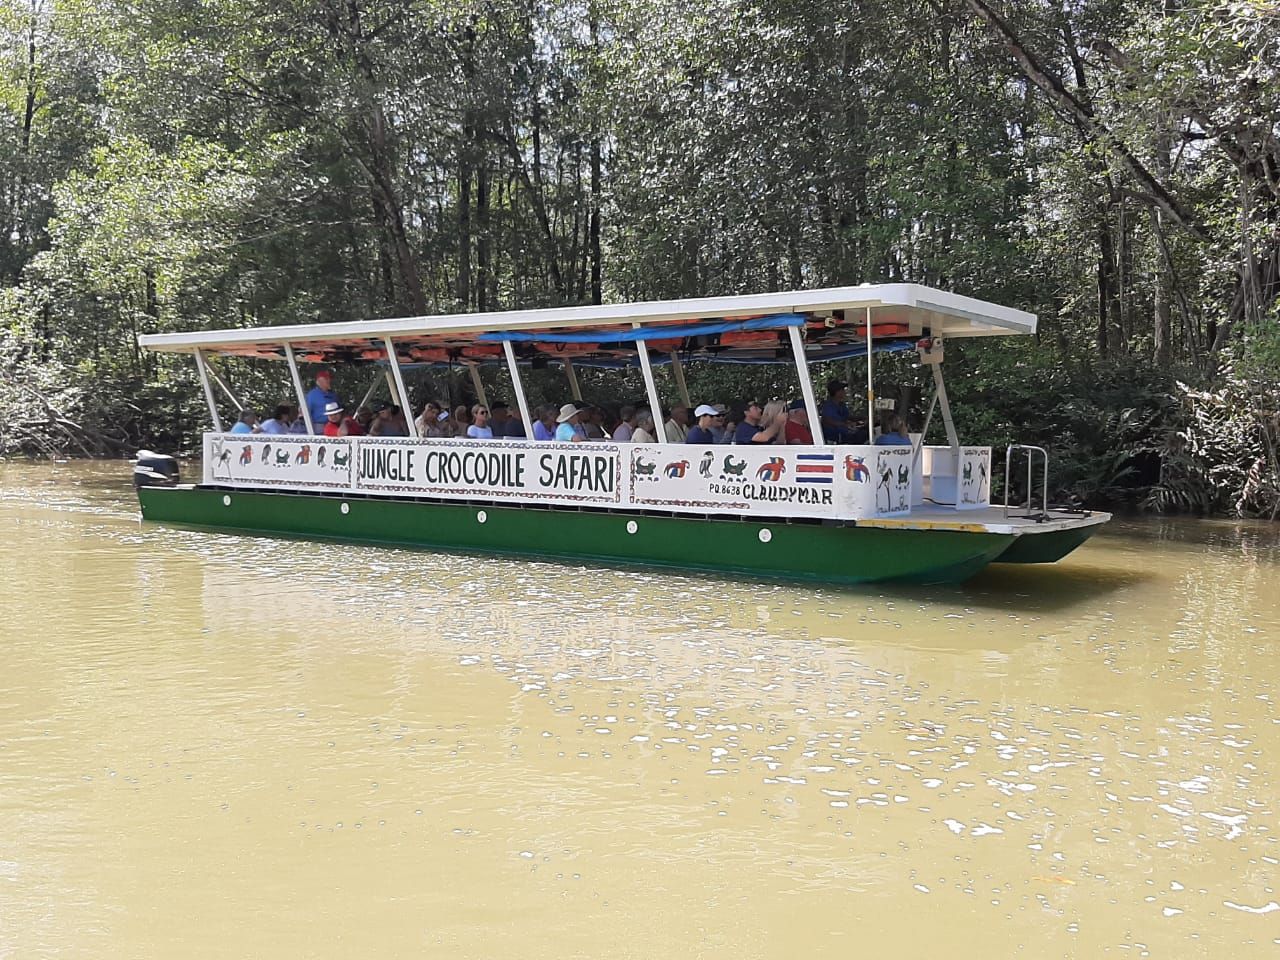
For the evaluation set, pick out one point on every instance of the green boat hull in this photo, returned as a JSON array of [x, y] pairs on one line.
[[837, 553], [1049, 547]]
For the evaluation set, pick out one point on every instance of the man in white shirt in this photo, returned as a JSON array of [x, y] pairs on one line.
[[677, 428]]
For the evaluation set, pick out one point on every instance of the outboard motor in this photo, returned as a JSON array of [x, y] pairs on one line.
[[152, 469]]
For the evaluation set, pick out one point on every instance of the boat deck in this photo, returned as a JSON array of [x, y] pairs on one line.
[[1019, 522]]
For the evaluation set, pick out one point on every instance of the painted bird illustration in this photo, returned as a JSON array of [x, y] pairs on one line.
[[704, 468], [855, 468], [982, 472], [266, 452], [885, 484], [773, 470], [644, 468], [734, 469], [221, 457], [676, 468], [246, 455], [303, 455], [320, 456], [968, 472]]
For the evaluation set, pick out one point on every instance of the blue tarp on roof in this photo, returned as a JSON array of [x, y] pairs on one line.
[[778, 321]]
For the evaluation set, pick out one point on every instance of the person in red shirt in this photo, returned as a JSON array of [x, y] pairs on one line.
[[333, 426], [797, 430]]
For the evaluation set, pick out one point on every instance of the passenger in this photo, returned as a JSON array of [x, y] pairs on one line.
[[428, 421], [282, 420], [358, 426], [514, 429], [834, 414], [593, 424], [730, 426], [701, 431], [752, 430], [717, 424], [399, 422], [444, 428], [570, 425], [248, 423], [461, 419], [645, 431], [895, 434], [320, 396], [626, 425], [677, 428], [479, 428], [388, 422], [797, 429], [544, 428], [335, 425], [499, 418]]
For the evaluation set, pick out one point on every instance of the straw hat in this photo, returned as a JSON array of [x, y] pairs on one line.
[[331, 408], [567, 411]]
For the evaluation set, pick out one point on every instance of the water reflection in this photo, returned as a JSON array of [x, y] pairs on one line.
[[319, 749]]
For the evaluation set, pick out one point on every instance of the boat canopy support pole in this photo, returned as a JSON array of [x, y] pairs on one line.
[[924, 432], [235, 401], [575, 391], [941, 395], [517, 385], [651, 390], [477, 384], [806, 384], [391, 388], [297, 387], [871, 390], [208, 390], [678, 372], [368, 394], [400, 391]]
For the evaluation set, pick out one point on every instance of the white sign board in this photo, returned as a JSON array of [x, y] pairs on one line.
[[844, 482], [973, 489]]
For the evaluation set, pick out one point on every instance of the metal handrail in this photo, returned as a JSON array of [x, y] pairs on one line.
[[1008, 462]]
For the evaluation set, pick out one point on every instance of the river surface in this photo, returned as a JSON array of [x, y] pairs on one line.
[[225, 746]]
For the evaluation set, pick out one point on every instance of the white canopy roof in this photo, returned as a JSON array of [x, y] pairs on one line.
[[922, 309]]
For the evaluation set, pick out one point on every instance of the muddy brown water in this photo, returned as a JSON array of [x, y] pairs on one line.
[[224, 746]]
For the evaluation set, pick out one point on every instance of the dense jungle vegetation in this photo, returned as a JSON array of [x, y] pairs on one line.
[[1112, 165]]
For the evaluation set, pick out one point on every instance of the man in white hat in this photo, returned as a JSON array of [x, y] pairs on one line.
[[700, 432], [570, 425], [334, 427]]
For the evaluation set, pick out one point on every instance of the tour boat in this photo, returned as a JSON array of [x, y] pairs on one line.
[[830, 512]]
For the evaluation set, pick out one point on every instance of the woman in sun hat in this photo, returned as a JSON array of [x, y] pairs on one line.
[[570, 429], [334, 426]]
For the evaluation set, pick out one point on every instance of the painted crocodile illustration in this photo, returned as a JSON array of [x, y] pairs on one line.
[[246, 455], [855, 468], [266, 452], [320, 455], [704, 468], [676, 468], [303, 455], [282, 458], [773, 470], [734, 469], [340, 459], [644, 468]]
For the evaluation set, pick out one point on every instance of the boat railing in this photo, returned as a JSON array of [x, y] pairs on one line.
[[1031, 452]]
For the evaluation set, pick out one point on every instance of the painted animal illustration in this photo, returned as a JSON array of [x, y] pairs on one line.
[[221, 457], [644, 468], [303, 455], [320, 456], [266, 452], [282, 458], [773, 470], [855, 468], [704, 468], [340, 459], [246, 455], [968, 472], [734, 469], [885, 484], [982, 472], [904, 475], [676, 468]]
